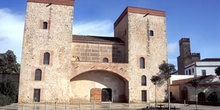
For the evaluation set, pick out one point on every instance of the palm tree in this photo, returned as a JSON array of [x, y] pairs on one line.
[[155, 80], [166, 70]]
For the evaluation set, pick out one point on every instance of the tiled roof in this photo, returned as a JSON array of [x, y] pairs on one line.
[[188, 80], [97, 39]]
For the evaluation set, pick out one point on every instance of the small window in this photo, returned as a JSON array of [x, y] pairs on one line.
[[45, 25], [36, 95], [144, 95], [142, 63], [143, 80], [151, 33], [105, 60], [38, 74], [46, 58], [204, 72], [190, 72], [186, 72]]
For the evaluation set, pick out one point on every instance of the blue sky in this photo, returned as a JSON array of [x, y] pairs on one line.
[[198, 20]]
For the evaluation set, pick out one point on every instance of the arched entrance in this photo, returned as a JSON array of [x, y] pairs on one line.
[[98, 86], [201, 97], [106, 94]]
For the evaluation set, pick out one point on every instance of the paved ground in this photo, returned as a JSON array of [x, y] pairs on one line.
[[103, 106]]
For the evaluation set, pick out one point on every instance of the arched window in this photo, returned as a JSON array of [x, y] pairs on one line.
[[151, 33], [142, 62], [143, 80], [45, 25], [105, 60], [47, 58], [38, 74]]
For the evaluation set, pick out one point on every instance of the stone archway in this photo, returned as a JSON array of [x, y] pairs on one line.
[[201, 97], [86, 87]]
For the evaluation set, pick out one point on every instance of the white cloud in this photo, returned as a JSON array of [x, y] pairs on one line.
[[11, 32], [100, 28], [173, 47]]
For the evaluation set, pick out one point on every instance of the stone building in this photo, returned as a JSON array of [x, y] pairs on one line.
[[60, 67], [186, 57]]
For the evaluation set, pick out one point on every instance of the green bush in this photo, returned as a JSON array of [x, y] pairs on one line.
[[8, 91], [4, 100]]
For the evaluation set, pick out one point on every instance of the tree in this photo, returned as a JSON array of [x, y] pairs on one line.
[[155, 80], [166, 70], [8, 92], [8, 63], [195, 84], [217, 71]]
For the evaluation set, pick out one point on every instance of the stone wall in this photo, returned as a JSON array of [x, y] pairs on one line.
[[90, 52]]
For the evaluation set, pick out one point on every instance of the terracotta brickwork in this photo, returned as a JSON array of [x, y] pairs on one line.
[[91, 68]]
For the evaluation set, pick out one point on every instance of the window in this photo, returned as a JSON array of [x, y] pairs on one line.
[[46, 58], [142, 63], [45, 25], [105, 60], [36, 95], [38, 74], [204, 72], [144, 95], [151, 33], [143, 80], [189, 71], [192, 70], [186, 72]]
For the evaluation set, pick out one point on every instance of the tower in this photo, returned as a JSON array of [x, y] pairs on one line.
[[45, 64], [144, 34], [185, 57]]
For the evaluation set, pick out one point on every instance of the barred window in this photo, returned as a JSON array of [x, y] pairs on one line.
[[46, 58]]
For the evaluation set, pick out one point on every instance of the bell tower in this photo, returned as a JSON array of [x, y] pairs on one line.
[[46, 51]]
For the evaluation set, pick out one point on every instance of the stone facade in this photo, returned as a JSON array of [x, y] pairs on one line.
[[91, 68]]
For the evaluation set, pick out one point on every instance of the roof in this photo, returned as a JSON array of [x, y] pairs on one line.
[[188, 80], [211, 59], [96, 39], [140, 11]]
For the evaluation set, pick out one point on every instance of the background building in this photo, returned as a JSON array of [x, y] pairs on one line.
[[60, 67]]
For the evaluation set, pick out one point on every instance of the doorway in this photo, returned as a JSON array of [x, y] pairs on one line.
[[106, 94]]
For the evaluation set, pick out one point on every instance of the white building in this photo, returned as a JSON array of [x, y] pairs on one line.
[[203, 67]]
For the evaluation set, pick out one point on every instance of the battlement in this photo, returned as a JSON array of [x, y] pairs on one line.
[[58, 2], [184, 40], [195, 54]]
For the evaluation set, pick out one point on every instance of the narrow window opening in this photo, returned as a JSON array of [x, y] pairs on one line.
[[46, 58], [105, 60], [144, 95], [38, 75], [143, 80], [142, 63], [45, 25], [151, 33], [36, 95]]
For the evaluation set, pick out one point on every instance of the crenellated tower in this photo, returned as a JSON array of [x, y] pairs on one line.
[[45, 64]]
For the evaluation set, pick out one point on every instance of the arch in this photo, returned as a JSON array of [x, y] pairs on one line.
[[38, 75], [105, 60], [143, 80], [142, 63], [46, 59], [201, 97], [45, 25], [185, 94], [212, 97], [113, 86]]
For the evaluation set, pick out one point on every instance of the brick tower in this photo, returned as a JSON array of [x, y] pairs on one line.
[[185, 57], [46, 54], [144, 34]]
